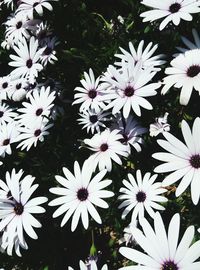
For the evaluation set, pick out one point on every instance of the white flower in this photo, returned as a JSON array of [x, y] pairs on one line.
[[141, 194], [6, 113], [190, 45], [131, 132], [93, 120], [41, 102], [17, 90], [27, 62], [16, 28], [16, 212], [4, 86], [173, 10], [161, 249], [128, 89], [183, 159], [92, 266], [49, 52], [28, 7], [184, 74], [78, 195], [160, 126], [107, 147], [8, 135], [144, 57], [91, 94]]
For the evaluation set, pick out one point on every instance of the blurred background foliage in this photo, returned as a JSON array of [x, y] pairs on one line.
[[90, 33]]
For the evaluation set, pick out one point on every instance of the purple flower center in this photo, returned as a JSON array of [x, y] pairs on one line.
[[93, 119], [141, 196], [193, 71], [1, 114], [6, 142], [82, 194], [29, 63], [129, 91], [169, 265], [19, 25], [174, 7], [19, 209], [39, 111], [92, 93], [37, 132], [47, 51], [195, 161], [5, 85], [103, 147]]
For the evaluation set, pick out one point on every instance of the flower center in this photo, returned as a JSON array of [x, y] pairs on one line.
[[6, 142], [39, 111], [169, 266], [82, 194], [93, 119], [92, 93], [37, 132], [18, 86], [193, 71], [129, 91], [47, 51], [195, 161], [1, 114], [19, 25], [104, 147], [5, 85], [141, 196], [29, 63], [19, 209], [174, 7]]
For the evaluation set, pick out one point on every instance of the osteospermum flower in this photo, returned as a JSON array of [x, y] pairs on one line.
[[4, 86], [91, 94], [32, 133], [128, 88], [17, 90], [92, 120], [16, 212], [145, 57], [160, 126], [107, 147], [141, 194], [27, 62], [78, 195], [162, 251], [91, 266], [48, 55], [171, 10], [6, 113], [182, 160], [184, 73]]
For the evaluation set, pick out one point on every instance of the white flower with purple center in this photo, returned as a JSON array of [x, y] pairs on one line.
[[7, 114]]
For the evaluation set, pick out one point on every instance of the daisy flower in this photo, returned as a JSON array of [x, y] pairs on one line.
[[32, 133], [17, 90], [183, 160], [184, 73], [131, 132], [92, 266], [107, 147], [39, 105], [160, 126], [78, 195], [48, 55], [28, 7], [128, 88], [6, 113], [93, 120], [91, 94], [8, 135], [161, 249], [27, 62], [4, 86], [141, 194], [16, 212], [171, 10], [145, 57]]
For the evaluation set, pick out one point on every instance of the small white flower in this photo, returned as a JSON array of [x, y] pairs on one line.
[[184, 73], [92, 266], [161, 250], [6, 113], [78, 195], [171, 10], [140, 194], [160, 126], [4, 86], [107, 147], [182, 160], [18, 89], [48, 55], [27, 62], [91, 94]]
